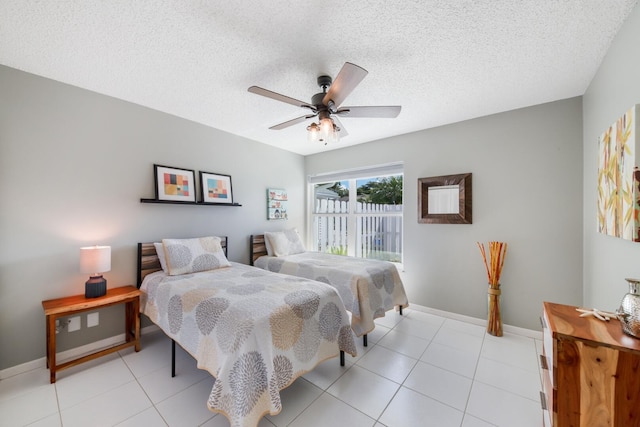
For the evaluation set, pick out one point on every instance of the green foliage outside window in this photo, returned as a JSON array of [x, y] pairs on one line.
[[384, 191]]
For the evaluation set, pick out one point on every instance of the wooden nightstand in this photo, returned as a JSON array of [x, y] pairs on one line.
[[63, 307]]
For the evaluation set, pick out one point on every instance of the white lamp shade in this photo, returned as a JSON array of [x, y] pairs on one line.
[[95, 259]]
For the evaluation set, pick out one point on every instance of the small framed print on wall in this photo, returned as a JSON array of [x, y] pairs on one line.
[[277, 203], [215, 188], [174, 184]]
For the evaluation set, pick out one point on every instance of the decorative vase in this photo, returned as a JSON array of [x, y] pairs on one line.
[[629, 311], [494, 320]]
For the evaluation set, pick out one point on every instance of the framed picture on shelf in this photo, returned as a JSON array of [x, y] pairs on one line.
[[215, 188], [277, 201], [174, 184]]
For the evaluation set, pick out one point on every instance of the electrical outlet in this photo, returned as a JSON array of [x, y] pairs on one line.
[[93, 319], [58, 326], [74, 324]]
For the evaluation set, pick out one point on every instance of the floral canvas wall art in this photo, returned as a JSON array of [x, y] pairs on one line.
[[619, 178]]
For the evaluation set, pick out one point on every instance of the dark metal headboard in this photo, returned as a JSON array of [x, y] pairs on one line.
[[257, 247], [148, 261]]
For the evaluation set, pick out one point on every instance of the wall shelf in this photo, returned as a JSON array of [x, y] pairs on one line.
[[171, 202]]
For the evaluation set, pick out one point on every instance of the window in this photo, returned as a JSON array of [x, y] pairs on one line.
[[370, 227]]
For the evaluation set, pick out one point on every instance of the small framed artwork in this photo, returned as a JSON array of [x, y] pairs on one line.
[[215, 188], [175, 184], [277, 203]]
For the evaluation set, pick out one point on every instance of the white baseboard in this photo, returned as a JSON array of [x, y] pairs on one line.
[[71, 353], [107, 342], [474, 320]]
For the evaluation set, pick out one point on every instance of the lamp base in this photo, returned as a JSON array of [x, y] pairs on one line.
[[95, 287]]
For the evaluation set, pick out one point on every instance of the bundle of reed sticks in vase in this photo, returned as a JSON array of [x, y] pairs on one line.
[[497, 253]]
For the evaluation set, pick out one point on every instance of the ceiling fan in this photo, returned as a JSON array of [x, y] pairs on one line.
[[326, 105]]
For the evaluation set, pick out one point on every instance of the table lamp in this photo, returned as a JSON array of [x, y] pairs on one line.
[[95, 260]]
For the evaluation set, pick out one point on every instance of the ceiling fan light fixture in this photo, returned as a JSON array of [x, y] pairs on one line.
[[326, 132], [326, 126], [313, 133]]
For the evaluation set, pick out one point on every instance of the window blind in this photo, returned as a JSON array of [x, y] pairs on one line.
[[388, 169]]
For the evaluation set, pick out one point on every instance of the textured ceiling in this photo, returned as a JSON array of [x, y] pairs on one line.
[[444, 61]]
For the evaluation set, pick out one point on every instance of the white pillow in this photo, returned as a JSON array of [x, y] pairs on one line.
[[185, 256], [284, 242], [160, 252], [267, 245]]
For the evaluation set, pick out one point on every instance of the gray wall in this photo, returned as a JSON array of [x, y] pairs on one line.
[[74, 165], [527, 191], [615, 88]]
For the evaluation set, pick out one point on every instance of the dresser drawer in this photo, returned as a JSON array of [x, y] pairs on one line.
[[548, 349], [549, 394], [546, 418]]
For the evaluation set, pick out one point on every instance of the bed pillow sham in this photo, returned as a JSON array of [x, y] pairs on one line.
[[184, 256], [267, 246], [284, 242], [160, 253]]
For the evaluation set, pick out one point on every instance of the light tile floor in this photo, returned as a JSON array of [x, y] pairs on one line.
[[419, 369]]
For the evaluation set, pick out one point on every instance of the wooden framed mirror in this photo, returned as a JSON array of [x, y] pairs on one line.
[[445, 199]]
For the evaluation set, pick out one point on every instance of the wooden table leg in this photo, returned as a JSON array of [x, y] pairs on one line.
[[46, 328], [51, 347], [132, 315], [128, 323], [136, 320]]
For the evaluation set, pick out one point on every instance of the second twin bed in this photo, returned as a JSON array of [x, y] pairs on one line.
[[369, 288]]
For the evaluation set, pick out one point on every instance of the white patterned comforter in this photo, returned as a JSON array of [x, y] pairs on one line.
[[253, 330], [368, 287]]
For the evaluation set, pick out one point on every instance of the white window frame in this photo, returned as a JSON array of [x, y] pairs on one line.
[[351, 175]]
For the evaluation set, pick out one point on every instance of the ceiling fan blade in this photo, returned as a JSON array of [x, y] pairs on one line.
[[343, 132], [347, 79], [292, 122], [279, 97], [388, 111]]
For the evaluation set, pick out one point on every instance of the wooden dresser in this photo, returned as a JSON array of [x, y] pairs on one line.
[[591, 371]]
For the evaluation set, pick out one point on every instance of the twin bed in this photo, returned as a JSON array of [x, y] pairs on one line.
[[368, 288], [255, 331]]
